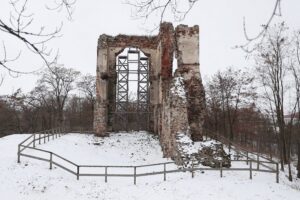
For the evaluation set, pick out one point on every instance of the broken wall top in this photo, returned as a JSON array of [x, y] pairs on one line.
[[166, 32]]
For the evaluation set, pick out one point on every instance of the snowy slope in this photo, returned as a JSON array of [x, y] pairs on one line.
[[32, 179]]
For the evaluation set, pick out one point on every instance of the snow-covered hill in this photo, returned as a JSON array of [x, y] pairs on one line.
[[32, 179]]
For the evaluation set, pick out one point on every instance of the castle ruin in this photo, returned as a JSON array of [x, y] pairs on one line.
[[164, 101]]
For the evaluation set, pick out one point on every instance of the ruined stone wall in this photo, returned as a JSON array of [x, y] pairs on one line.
[[174, 117], [101, 107], [187, 53], [177, 100], [156, 95], [108, 48]]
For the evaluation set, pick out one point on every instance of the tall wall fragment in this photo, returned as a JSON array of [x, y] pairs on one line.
[[187, 53]]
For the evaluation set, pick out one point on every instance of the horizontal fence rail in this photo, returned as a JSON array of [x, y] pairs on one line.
[[133, 171], [255, 157]]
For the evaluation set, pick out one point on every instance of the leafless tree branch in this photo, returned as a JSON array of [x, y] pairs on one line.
[[147, 8], [59, 5], [262, 34], [19, 27], [1, 79]]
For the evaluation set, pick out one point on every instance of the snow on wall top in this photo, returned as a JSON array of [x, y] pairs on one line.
[[177, 88]]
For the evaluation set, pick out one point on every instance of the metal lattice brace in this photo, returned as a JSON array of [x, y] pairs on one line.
[[122, 92], [143, 93], [139, 109]]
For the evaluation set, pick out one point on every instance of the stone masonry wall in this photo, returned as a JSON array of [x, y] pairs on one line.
[[187, 53], [175, 117]]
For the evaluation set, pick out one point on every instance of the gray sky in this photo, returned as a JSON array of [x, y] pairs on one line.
[[220, 21]]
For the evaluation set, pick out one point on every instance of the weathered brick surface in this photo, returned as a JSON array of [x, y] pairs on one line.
[[124, 41], [166, 35]]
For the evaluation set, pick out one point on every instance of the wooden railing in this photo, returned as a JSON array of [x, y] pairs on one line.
[[133, 171], [39, 138], [259, 159]]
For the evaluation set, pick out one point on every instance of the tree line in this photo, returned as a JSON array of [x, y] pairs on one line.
[[259, 108], [61, 97]]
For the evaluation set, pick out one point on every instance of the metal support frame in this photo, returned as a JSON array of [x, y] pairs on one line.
[[122, 92], [141, 111]]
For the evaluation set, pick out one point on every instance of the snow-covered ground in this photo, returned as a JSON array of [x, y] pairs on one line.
[[32, 179]]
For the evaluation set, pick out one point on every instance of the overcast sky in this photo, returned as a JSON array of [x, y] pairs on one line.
[[220, 21]]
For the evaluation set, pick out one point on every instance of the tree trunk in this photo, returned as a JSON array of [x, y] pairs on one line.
[[290, 171], [298, 165], [279, 144], [60, 117], [289, 139], [283, 142]]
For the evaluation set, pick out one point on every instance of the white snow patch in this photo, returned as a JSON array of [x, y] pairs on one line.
[[178, 88], [189, 147], [174, 64], [32, 179], [186, 144]]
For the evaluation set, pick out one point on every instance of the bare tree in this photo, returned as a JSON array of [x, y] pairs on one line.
[[44, 104], [87, 85], [295, 68], [7, 117], [273, 57], [16, 102], [231, 90], [59, 81], [20, 26]]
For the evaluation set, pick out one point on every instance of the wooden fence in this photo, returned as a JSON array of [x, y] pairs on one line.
[[133, 171], [254, 156]]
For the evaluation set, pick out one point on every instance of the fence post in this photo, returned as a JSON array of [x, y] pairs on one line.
[[277, 173], [19, 154], [257, 161], [247, 158], [192, 168], [48, 133], [250, 169], [44, 136], [50, 160], [39, 137], [105, 174], [164, 171], [270, 155], [34, 140], [53, 132], [77, 172], [134, 176], [221, 169]]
